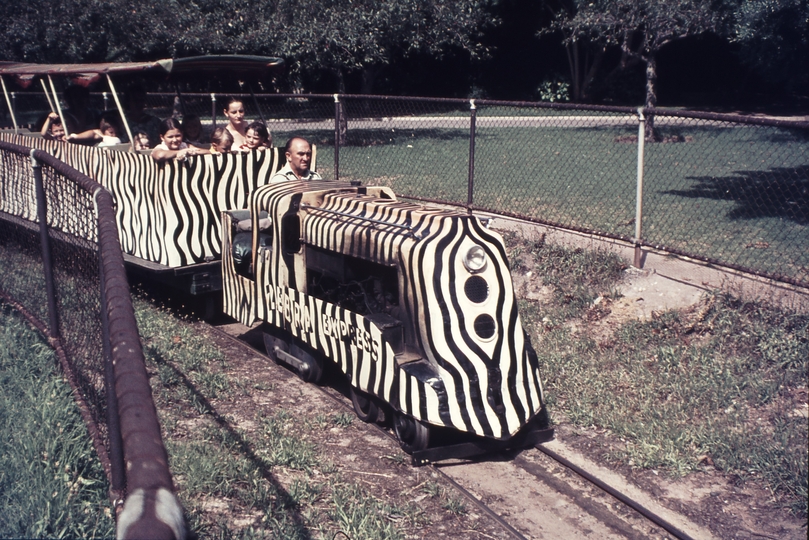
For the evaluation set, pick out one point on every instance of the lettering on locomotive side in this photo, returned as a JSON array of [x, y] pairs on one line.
[[298, 314], [301, 312], [356, 336]]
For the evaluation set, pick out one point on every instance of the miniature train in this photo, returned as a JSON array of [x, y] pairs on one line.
[[413, 304]]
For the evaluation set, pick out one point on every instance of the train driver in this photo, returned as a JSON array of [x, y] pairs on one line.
[[299, 155]]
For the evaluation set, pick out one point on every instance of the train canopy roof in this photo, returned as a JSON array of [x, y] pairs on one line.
[[194, 65]]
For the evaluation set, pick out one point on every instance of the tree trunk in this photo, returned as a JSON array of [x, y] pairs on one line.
[[582, 72], [651, 96], [369, 79], [342, 126], [572, 49]]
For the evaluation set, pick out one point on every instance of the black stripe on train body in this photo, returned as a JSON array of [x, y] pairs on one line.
[[167, 213], [380, 287]]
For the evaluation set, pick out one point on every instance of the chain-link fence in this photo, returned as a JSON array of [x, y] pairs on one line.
[[63, 269], [732, 191], [729, 190]]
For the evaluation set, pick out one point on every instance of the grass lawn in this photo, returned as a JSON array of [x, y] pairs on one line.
[[51, 482], [739, 195]]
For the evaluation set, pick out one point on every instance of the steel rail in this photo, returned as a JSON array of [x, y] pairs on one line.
[[631, 503]]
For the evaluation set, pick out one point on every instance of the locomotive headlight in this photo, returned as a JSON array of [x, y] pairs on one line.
[[475, 259]]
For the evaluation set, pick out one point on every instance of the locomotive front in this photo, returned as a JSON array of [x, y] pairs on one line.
[[461, 294], [414, 304]]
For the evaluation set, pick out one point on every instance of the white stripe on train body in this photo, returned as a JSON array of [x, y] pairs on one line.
[[167, 213], [379, 287]]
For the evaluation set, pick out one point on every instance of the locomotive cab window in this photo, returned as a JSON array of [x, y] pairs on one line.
[[242, 239]]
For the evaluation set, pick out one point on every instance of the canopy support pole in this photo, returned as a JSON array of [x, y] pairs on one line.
[[8, 102], [59, 108], [121, 111], [47, 95]]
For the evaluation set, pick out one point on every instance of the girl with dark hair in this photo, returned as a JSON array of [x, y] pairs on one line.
[[171, 142], [257, 137]]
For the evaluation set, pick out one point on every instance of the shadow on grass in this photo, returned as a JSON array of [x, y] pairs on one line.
[[779, 193], [286, 503]]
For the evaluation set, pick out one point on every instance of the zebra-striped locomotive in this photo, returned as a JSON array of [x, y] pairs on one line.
[[415, 306]]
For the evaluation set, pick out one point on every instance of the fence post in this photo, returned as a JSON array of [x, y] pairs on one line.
[[638, 262], [337, 120], [471, 178], [47, 262], [213, 112]]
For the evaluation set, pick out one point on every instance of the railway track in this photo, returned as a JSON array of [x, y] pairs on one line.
[[535, 493]]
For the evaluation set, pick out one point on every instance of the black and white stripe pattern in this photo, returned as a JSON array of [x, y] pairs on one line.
[[488, 385], [167, 213]]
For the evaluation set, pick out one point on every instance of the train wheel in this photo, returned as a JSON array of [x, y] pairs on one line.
[[314, 371], [270, 343], [364, 406], [412, 434], [308, 367]]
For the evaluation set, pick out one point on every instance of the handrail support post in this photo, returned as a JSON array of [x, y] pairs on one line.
[[47, 260]]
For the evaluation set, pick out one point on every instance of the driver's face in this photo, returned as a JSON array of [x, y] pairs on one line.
[[299, 156]]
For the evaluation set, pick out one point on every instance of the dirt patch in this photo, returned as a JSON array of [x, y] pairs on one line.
[[715, 501], [709, 498], [417, 500]]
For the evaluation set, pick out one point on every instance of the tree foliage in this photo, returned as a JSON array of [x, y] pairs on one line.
[[338, 35], [584, 50], [345, 36], [774, 38], [640, 28], [50, 31]]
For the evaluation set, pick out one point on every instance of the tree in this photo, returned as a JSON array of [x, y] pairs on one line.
[[347, 36], [641, 28], [49, 31], [774, 39], [584, 50]]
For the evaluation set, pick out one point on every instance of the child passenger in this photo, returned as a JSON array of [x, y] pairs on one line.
[[52, 129], [172, 145], [142, 141], [221, 141], [192, 130], [258, 137], [105, 135]]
